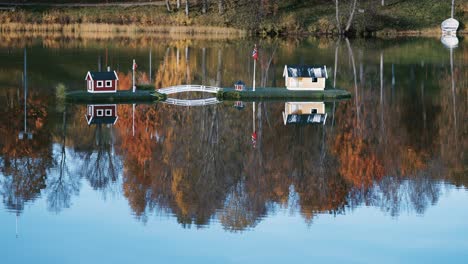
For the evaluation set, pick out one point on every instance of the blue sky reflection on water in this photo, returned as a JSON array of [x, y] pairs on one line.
[[96, 230]]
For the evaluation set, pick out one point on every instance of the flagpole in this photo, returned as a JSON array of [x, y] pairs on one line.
[[133, 71], [254, 75]]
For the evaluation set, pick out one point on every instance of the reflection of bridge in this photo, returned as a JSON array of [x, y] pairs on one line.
[[190, 88]]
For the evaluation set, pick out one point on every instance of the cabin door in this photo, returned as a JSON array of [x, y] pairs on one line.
[[90, 85]]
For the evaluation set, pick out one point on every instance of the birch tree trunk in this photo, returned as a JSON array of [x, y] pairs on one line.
[[168, 6], [338, 25], [178, 4], [350, 20], [186, 7], [221, 6]]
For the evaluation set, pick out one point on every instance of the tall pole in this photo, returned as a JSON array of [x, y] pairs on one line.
[[133, 73], [253, 85], [150, 79], [453, 4]]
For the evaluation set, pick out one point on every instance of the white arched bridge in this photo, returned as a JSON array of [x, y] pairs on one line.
[[190, 88]]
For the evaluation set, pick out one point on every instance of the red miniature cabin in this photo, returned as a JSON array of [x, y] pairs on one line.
[[101, 114], [102, 82]]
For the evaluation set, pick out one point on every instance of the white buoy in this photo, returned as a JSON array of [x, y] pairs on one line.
[[450, 26]]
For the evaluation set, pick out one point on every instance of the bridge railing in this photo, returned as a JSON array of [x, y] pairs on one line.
[[188, 88], [194, 102]]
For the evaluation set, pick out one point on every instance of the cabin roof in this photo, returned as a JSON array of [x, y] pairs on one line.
[[305, 71], [239, 82], [103, 76], [305, 119]]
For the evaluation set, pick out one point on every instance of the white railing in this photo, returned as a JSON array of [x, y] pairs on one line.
[[189, 88], [194, 102]]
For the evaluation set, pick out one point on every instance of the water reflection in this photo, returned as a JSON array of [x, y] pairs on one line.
[[392, 146]]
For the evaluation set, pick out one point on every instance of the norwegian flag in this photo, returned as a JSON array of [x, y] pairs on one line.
[[134, 66], [254, 139], [255, 53]]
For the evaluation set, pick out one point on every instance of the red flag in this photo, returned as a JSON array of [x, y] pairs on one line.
[[134, 66], [254, 139], [255, 53]]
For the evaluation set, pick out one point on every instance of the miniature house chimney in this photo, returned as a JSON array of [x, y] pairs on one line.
[[108, 68]]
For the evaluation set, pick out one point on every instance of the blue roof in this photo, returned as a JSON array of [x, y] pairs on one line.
[[103, 76], [306, 71], [103, 120], [306, 119]]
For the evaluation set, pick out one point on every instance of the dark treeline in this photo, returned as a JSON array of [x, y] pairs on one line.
[[264, 17]]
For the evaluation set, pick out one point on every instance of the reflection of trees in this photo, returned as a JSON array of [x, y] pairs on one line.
[[61, 182], [198, 164], [23, 162], [101, 167]]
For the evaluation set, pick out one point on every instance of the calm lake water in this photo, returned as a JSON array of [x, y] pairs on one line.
[[384, 179]]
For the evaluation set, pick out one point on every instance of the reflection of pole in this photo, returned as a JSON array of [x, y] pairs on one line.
[[133, 119], [253, 117], [381, 94], [25, 90], [393, 81], [17, 224], [453, 90]]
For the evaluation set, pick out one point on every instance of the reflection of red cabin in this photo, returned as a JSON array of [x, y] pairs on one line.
[[102, 82], [101, 114]]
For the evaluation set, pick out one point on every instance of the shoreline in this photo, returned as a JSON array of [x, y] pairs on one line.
[[82, 30]]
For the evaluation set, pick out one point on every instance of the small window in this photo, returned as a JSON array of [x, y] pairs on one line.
[[108, 83], [100, 84], [90, 110], [90, 85], [108, 112], [313, 111], [99, 112], [314, 80]]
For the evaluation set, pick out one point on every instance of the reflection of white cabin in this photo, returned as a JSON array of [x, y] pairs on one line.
[[102, 114], [305, 77], [304, 113]]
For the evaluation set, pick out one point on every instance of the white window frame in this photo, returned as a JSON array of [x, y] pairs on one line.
[[108, 84], [108, 112], [90, 85], [90, 110], [99, 112], [100, 84]]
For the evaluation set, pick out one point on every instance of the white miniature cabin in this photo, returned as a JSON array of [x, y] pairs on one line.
[[305, 77]]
